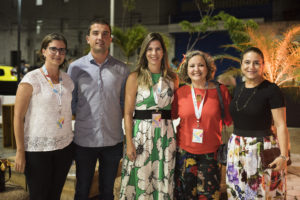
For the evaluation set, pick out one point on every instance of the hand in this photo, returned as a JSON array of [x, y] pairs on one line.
[[278, 164], [130, 151], [20, 161]]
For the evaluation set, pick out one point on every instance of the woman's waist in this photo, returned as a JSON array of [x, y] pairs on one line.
[[252, 133], [46, 142], [210, 143], [199, 149], [148, 114], [57, 130]]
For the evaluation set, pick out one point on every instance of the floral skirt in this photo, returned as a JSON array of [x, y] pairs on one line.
[[196, 176], [151, 175], [245, 177]]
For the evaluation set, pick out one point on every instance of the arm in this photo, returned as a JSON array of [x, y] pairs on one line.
[[174, 110], [176, 82], [282, 134], [227, 100], [23, 97], [130, 97]]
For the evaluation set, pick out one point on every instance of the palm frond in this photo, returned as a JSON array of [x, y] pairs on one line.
[[282, 59], [227, 56]]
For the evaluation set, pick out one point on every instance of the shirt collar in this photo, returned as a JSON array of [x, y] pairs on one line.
[[92, 60]]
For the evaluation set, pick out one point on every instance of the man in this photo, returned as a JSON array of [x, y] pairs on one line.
[[97, 102], [174, 63]]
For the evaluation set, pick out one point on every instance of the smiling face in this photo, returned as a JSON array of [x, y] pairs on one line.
[[197, 69], [55, 53], [154, 54], [99, 38], [252, 66]]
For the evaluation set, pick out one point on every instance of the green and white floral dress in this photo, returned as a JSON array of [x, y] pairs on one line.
[[151, 175]]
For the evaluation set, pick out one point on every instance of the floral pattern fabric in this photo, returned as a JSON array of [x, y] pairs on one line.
[[245, 177], [197, 176], [151, 175]]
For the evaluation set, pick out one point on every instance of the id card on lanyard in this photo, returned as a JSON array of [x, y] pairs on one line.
[[60, 120], [156, 116], [198, 132]]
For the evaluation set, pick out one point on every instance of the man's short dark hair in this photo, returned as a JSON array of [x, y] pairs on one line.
[[98, 21], [174, 60]]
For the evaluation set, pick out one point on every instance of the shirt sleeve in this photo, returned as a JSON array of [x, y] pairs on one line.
[[122, 96], [30, 78], [276, 98], [73, 76]]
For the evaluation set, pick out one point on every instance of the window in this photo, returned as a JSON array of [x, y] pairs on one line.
[[39, 2], [39, 24]]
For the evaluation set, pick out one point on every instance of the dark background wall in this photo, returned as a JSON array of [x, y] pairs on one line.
[[212, 44]]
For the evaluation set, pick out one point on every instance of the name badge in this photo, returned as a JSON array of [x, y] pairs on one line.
[[60, 122], [197, 135], [156, 119]]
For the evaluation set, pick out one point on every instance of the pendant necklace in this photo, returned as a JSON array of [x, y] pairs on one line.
[[247, 101], [198, 97], [198, 110]]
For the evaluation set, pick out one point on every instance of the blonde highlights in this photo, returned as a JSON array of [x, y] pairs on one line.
[[144, 74], [210, 64]]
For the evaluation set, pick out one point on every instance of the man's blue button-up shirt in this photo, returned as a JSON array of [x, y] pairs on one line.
[[98, 100]]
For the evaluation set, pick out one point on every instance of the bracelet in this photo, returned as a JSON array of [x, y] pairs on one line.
[[284, 157]]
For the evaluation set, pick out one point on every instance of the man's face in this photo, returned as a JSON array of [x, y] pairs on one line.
[[99, 38]]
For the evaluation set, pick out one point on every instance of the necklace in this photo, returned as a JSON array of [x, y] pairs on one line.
[[198, 97], [247, 101]]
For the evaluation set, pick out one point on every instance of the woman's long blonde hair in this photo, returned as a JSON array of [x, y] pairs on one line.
[[144, 74]]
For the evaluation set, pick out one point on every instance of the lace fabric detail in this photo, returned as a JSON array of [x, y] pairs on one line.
[[47, 143], [41, 132]]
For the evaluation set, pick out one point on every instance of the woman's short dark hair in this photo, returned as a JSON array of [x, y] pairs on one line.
[[253, 49], [210, 64], [49, 38]]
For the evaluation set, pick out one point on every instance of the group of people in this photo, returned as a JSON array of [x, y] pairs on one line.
[[158, 162]]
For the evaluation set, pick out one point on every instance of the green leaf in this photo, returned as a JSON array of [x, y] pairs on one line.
[[129, 40]]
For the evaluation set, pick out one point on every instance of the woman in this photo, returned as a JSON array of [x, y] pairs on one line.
[[42, 122], [197, 174], [148, 165], [255, 103]]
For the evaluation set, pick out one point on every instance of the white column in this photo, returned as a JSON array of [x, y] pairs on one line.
[[112, 22]]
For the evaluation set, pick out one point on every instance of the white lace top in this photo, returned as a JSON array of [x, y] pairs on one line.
[[41, 131]]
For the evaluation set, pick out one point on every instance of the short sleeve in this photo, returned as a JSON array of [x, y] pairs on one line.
[[32, 79], [276, 98]]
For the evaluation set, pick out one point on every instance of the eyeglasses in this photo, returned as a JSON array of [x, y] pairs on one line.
[[54, 50]]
